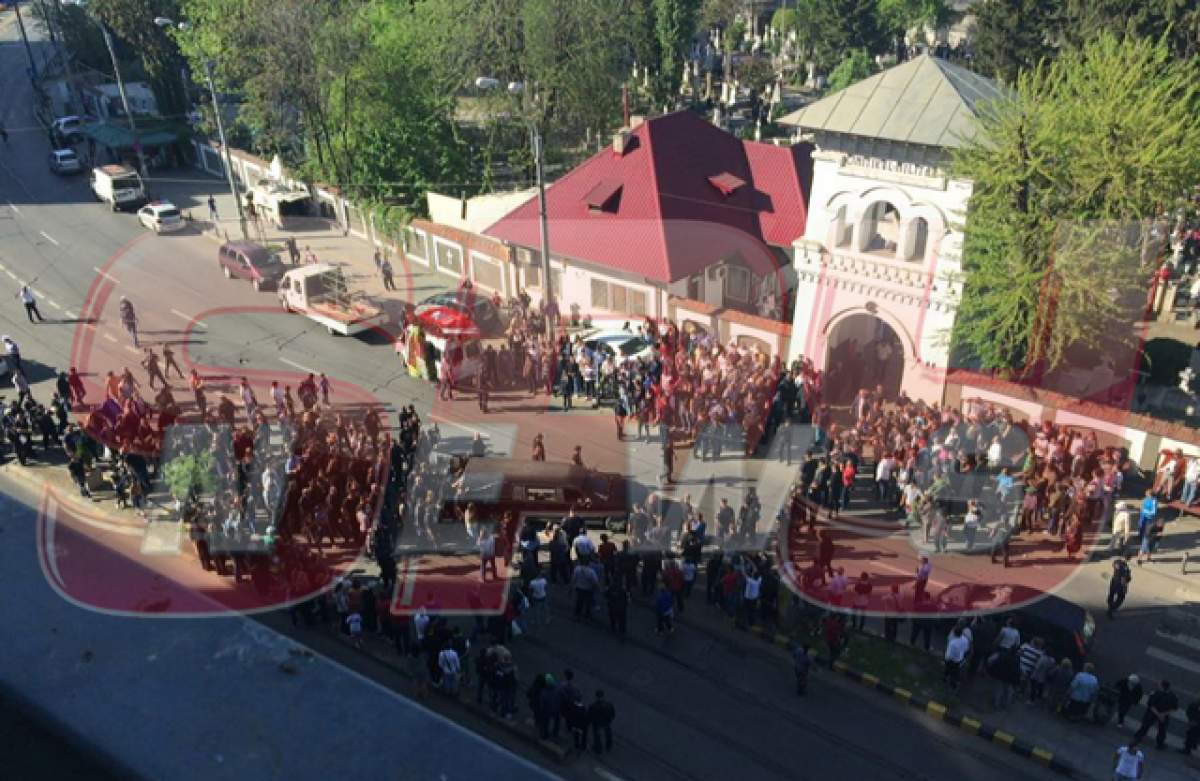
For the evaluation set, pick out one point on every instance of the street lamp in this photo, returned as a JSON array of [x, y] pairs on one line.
[[164, 22], [112, 54], [516, 89]]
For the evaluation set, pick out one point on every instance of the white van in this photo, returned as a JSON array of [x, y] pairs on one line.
[[119, 186]]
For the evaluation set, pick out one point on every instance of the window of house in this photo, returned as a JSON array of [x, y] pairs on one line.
[[737, 283], [637, 302], [918, 238], [415, 244], [486, 272], [842, 229], [599, 294], [620, 298], [449, 257], [532, 276]]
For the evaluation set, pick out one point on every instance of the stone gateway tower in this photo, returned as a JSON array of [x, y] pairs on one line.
[[879, 265]]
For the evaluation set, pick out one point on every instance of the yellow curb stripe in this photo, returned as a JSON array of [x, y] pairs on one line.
[[1003, 737], [869, 679], [936, 709], [970, 725], [782, 640], [1043, 756], [902, 694]]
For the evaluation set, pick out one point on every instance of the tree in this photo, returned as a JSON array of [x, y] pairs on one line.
[[857, 66], [723, 14], [1068, 171], [897, 17], [675, 23], [842, 26], [1014, 35], [188, 477], [1177, 20]]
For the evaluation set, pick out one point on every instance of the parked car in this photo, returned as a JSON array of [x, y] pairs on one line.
[[1067, 628], [161, 217], [460, 312], [621, 344], [250, 261], [320, 292], [65, 161], [539, 491], [68, 129], [469, 358]]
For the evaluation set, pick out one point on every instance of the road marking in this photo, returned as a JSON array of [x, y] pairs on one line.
[[10, 274], [133, 349], [607, 776], [1185, 640], [109, 337], [1171, 659], [196, 324], [106, 275], [48, 238], [53, 303], [297, 366], [911, 573], [3, 267], [71, 315], [13, 206]]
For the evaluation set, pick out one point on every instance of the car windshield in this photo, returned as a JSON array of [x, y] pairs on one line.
[[634, 346], [168, 214], [66, 156], [598, 485]]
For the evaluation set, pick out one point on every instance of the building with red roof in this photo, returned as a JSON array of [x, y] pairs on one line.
[[673, 207]]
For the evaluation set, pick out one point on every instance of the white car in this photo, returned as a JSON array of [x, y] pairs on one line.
[[620, 343], [65, 161], [68, 128], [161, 217]]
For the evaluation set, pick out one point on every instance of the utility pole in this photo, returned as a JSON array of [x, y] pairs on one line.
[[25, 40], [548, 284], [237, 200], [137, 144]]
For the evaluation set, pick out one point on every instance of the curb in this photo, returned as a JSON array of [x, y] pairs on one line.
[[941, 712]]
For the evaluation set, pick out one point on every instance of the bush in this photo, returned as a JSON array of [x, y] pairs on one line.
[[190, 476]]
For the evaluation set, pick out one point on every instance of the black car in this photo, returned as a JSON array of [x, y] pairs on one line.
[[1067, 628]]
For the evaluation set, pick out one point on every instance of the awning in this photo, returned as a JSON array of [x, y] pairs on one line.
[[116, 136]]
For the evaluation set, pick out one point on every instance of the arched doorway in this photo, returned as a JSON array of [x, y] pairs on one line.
[[863, 351]]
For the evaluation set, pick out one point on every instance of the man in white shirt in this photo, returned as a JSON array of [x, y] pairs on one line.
[[538, 614], [957, 647], [883, 478], [753, 585], [31, 309], [1009, 637], [1129, 762]]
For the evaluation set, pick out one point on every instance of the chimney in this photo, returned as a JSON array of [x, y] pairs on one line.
[[621, 141], [636, 120]]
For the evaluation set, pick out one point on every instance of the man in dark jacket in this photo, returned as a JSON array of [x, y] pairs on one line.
[[1159, 707], [617, 597], [601, 714], [576, 715], [1129, 693]]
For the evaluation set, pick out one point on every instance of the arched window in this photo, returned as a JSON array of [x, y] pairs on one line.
[[880, 229], [916, 239]]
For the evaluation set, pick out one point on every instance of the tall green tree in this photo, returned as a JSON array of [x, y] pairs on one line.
[[1177, 20], [1067, 174], [675, 23], [857, 66], [843, 26], [897, 17], [1014, 35]]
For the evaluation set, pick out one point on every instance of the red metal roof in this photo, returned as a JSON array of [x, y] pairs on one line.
[[670, 222]]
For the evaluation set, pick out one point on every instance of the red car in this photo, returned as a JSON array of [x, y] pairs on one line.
[[460, 313], [250, 261]]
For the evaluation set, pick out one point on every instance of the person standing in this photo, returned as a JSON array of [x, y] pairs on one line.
[[957, 647], [1129, 693], [31, 307], [585, 583], [169, 362], [212, 209], [1159, 707], [664, 611], [293, 251], [12, 352], [450, 666], [539, 448], [801, 664], [1192, 738], [325, 387], [601, 715], [1129, 762], [385, 271], [1118, 585], [575, 714], [924, 569]]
